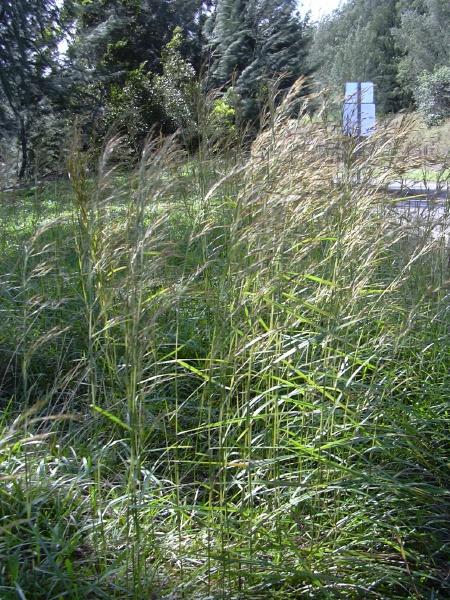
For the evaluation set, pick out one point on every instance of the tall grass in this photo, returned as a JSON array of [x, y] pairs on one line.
[[227, 376]]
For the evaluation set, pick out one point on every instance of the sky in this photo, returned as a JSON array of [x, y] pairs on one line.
[[319, 8]]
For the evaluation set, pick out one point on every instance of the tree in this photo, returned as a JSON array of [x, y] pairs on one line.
[[118, 50], [177, 86], [424, 36], [29, 37], [115, 37], [356, 43], [433, 95], [254, 41]]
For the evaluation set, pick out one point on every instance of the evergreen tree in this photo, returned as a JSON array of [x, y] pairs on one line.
[[254, 41], [115, 37], [29, 35], [356, 43], [424, 36], [117, 52], [285, 39]]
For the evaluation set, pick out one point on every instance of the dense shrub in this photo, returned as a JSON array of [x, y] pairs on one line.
[[433, 95]]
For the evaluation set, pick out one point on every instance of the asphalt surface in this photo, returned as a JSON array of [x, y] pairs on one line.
[[424, 207], [429, 191]]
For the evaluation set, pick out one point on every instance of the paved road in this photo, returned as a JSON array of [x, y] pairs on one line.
[[425, 207], [413, 188]]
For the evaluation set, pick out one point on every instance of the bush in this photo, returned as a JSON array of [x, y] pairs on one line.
[[177, 87], [433, 95], [133, 107]]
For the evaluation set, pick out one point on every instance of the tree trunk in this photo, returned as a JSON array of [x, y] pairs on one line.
[[23, 141]]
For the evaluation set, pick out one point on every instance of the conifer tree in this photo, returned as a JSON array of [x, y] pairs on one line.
[[357, 44], [254, 41], [116, 37], [424, 35], [28, 61]]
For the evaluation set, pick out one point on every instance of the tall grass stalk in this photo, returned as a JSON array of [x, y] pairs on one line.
[[251, 402]]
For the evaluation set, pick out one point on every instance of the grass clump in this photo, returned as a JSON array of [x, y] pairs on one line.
[[227, 379]]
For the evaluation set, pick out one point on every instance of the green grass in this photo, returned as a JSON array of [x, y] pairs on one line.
[[224, 380], [434, 141], [428, 175]]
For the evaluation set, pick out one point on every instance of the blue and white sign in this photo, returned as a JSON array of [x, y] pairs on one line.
[[359, 109]]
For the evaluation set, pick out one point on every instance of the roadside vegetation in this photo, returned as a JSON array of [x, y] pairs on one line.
[[224, 339], [225, 377]]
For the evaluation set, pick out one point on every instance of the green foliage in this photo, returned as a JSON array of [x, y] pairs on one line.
[[185, 105], [388, 42], [122, 54], [29, 35], [225, 377], [356, 44], [177, 87], [433, 95], [116, 37], [223, 116], [172, 100], [133, 108], [252, 43], [424, 39]]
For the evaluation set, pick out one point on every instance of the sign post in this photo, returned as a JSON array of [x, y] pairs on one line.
[[359, 119], [359, 109]]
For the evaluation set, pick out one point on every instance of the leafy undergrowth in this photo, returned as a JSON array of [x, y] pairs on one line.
[[225, 380]]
